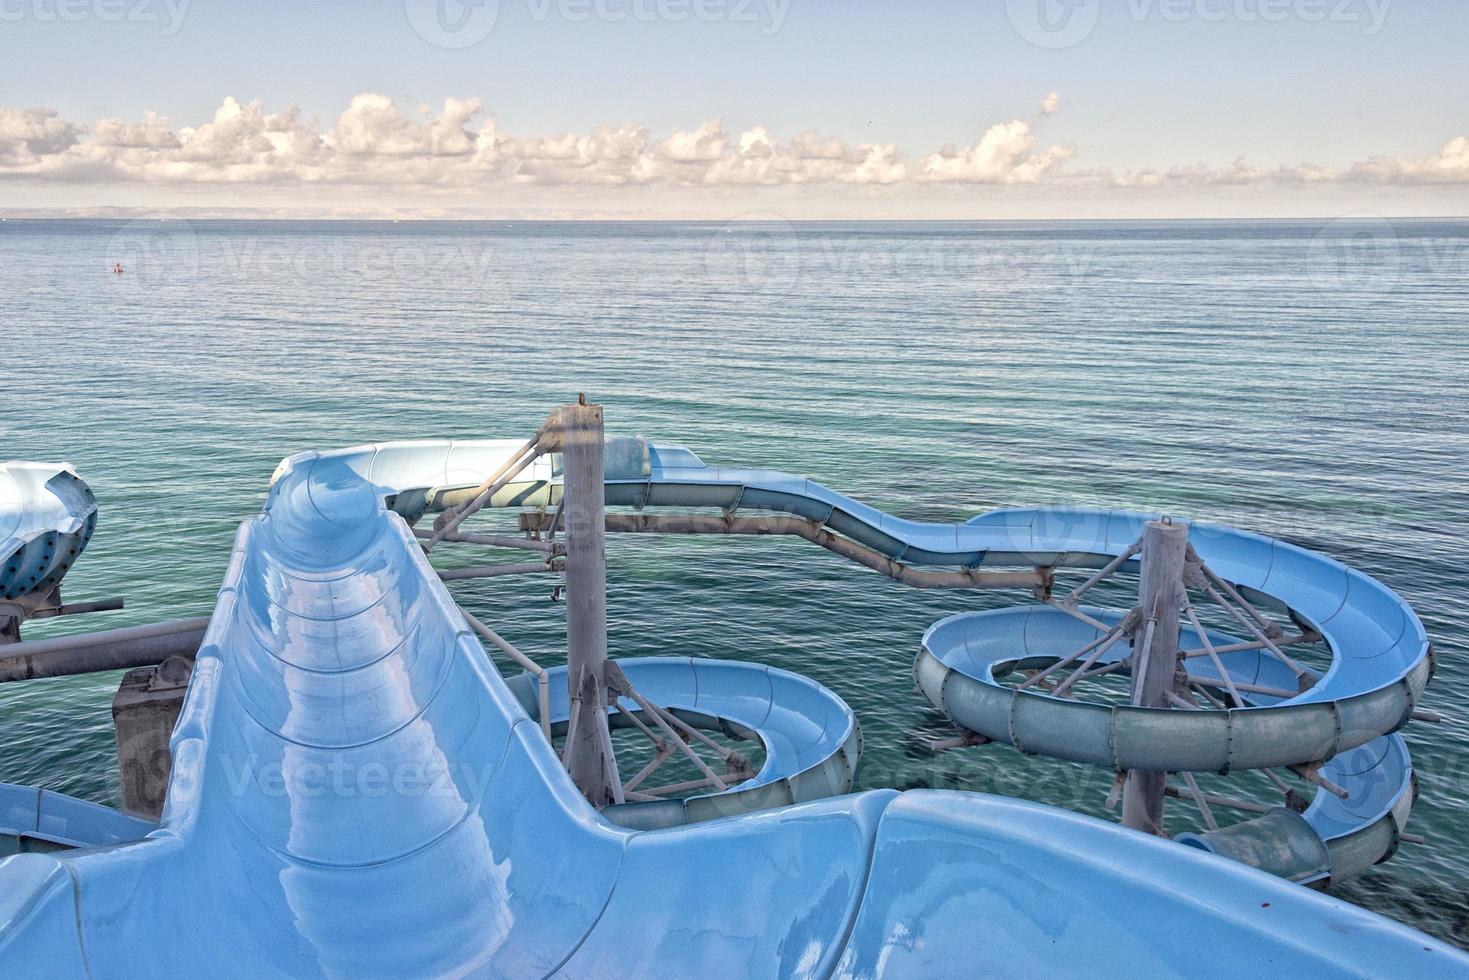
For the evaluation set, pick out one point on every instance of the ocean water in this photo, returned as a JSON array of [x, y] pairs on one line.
[[1308, 380]]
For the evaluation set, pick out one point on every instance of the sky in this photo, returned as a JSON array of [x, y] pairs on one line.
[[727, 109]]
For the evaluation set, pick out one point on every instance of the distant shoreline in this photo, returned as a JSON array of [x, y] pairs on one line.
[[126, 215]]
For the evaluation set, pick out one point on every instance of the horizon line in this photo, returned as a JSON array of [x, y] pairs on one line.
[[143, 214]]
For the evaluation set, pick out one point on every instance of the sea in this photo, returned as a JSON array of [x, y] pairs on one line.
[[1304, 379]]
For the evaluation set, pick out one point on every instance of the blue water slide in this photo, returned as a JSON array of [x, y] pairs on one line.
[[357, 792], [1381, 657], [810, 736], [34, 819]]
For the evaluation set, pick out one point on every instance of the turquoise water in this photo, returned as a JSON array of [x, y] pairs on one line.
[[1301, 380]]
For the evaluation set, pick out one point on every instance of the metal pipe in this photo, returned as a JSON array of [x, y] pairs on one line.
[[1116, 665], [1193, 618], [1311, 774], [1077, 614], [664, 751], [659, 792], [73, 608], [556, 519], [1201, 800], [638, 723], [1103, 572], [677, 740], [1278, 692], [817, 534], [688, 729], [506, 472], [1070, 658], [1223, 801], [1178, 701], [1203, 691], [1255, 631], [535, 669], [493, 571], [87, 653], [1245, 645], [1086, 665], [493, 540], [1233, 593]]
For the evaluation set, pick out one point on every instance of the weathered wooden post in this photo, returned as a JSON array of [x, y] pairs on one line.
[[1155, 658], [591, 767]]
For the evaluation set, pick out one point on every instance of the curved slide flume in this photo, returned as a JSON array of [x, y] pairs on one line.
[[1381, 662], [356, 792], [1381, 657], [810, 736]]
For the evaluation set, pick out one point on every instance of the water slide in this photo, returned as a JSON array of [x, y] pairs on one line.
[[35, 819], [356, 791], [1348, 717], [1381, 663]]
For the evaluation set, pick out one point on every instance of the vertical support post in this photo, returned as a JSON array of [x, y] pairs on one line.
[[583, 492], [144, 712], [1165, 545]]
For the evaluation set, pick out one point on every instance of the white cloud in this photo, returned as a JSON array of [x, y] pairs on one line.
[[150, 134], [706, 144], [1005, 155], [1450, 165], [28, 135], [374, 143]]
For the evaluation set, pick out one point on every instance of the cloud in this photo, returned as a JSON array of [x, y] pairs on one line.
[[1450, 165], [150, 134], [372, 126], [1006, 154], [29, 135], [374, 143]]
